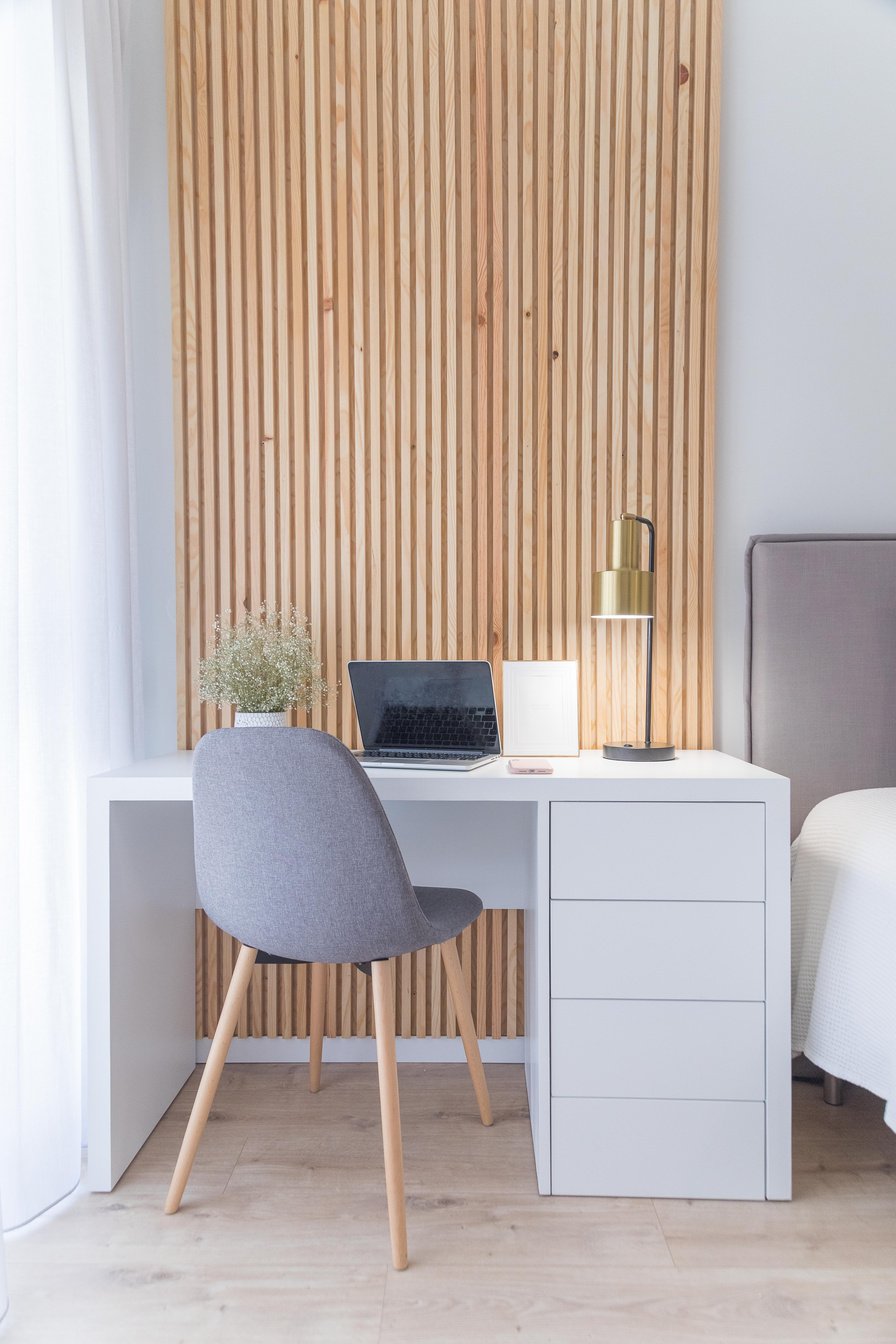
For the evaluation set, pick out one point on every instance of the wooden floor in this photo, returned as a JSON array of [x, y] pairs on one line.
[[283, 1234]]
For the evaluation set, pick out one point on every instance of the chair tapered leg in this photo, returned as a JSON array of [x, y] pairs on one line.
[[318, 1009], [211, 1075], [384, 1019], [460, 996]]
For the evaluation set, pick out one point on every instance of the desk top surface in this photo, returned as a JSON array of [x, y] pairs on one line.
[[698, 774]]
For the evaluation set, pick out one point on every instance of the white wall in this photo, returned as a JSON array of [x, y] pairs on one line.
[[151, 359], [806, 423]]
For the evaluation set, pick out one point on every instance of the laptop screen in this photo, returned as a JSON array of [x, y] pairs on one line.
[[439, 706]]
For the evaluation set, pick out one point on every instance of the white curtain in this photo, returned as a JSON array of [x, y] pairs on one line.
[[69, 667]]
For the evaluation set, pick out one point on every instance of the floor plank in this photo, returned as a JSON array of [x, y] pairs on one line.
[[283, 1233]]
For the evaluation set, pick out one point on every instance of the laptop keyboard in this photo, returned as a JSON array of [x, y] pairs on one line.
[[446, 730], [409, 754]]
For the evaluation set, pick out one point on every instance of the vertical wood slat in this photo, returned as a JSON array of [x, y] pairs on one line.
[[443, 295], [278, 999]]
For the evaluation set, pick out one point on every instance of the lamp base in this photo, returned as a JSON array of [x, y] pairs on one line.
[[639, 751]]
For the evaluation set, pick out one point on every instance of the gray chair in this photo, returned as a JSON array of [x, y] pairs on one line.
[[296, 859]]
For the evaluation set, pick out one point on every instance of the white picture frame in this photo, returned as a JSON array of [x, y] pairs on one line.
[[541, 708]]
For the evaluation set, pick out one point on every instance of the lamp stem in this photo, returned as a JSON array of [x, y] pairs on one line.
[[651, 565], [647, 717]]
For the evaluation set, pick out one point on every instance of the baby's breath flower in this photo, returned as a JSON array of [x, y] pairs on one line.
[[265, 664]]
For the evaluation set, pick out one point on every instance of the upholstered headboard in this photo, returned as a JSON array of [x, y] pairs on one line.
[[820, 681]]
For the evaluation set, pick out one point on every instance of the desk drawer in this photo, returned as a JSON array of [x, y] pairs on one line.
[[658, 851], [613, 1048], [658, 1149], [657, 950]]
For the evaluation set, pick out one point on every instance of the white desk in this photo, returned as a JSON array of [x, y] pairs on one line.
[[657, 951]]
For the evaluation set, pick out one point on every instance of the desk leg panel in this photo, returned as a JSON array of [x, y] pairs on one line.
[[538, 1003], [777, 994], [140, 967]]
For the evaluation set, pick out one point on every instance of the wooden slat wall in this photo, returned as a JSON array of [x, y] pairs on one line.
[[278, 1002], [444, 280]]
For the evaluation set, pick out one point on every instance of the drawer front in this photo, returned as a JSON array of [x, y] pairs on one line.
[[613, 1048], [658, 1149], [657, 950], [658, 851]]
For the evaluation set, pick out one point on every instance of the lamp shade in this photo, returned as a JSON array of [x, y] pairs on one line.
[[621, 593], [624, 590]]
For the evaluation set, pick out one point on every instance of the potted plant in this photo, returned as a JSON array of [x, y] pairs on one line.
[[263, 666]]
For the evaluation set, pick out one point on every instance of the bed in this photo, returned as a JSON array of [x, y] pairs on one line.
[[820, 688]]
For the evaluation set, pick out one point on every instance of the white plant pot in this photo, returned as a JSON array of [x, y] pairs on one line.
[[275, 720]]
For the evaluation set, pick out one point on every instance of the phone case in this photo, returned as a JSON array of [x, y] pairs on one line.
[[529, 765]]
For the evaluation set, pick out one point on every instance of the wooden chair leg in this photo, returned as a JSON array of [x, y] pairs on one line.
[[318, 1011], [384, 1019], [460, 996], [211, 1075]]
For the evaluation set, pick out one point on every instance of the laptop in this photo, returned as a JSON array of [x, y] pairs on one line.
[[425, 715]]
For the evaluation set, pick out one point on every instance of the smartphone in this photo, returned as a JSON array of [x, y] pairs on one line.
[[529, 765]]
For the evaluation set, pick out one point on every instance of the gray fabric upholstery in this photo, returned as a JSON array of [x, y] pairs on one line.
[[448, 909], [295, 855], [821, 663]]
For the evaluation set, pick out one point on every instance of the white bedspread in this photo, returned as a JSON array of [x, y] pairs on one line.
[[844, 940]]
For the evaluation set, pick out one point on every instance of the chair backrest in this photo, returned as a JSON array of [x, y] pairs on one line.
[[294, 853]]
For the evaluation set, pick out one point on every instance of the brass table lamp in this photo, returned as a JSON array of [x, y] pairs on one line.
[[625, 591]]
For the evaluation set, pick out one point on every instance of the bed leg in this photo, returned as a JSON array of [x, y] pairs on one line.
[[833, 1090]]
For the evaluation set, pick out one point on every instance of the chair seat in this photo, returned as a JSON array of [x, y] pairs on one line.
[[449, 909]]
